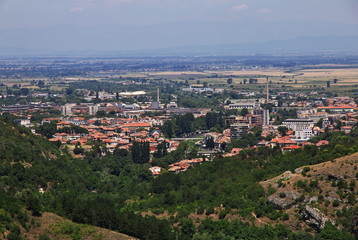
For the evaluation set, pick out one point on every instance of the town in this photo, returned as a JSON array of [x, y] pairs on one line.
[[180, 145], [117, 121]]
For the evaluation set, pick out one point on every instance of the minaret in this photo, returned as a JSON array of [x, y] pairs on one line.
[[267, 90]]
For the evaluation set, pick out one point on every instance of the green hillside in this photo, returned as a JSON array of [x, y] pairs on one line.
[[222, 199]]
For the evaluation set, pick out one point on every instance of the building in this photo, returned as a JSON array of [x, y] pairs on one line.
[[72, 108], [23, 122], [15, 108], [172, 105], [265, 114], [66, 110], [304, 134], [237, 130], [254, 120], [340, 108], [93, 109], [298, 124], [249, 104]]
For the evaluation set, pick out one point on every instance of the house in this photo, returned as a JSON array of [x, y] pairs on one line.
[[290, 148], [132, 126], [155, 170], [235, 151], [63, 124], [282, 142]]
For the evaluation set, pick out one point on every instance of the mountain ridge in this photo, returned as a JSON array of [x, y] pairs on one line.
[[299, 45]]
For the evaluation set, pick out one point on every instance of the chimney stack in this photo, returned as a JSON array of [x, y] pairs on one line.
[[267, 90]]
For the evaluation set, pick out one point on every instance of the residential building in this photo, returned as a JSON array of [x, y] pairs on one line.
[[238, 130]]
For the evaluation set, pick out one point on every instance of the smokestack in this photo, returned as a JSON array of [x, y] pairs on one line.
[[267, 90], [158, 95]]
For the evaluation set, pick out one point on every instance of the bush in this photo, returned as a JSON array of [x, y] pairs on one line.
[[335, 203], [301, 198], [44, 236], [305, 170], [282, 195], [200, 210], [270, 191], [209, 210]]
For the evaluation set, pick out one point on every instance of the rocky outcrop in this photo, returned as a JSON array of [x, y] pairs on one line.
[[280, 203], [283, 203], [287, 175], [315, 218]]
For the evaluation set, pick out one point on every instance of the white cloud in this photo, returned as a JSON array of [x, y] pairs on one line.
[[264, 10], [76, 10], [239, 8]]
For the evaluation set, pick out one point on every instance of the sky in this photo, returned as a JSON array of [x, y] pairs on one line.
[[43, 13], [30, 15]]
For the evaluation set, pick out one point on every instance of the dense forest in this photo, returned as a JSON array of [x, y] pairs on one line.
[[117, 191]]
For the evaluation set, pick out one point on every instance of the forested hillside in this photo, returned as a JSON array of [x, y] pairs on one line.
[[221, 199]]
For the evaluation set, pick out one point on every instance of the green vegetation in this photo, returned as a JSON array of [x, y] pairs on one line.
[[115, 191]]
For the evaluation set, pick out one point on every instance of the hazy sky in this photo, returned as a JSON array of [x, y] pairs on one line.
[[66, 25], [44, 13]]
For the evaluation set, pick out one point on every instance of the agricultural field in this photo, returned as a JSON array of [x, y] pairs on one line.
[[280, 78]]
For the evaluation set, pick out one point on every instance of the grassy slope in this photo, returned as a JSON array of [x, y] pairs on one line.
[[60, 228], [344, 168]]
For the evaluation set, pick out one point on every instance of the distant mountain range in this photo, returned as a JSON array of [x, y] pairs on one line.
[[241, 37], [300, 45]]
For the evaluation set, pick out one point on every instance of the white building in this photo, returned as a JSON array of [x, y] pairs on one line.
[[304, 134], [93, 109], [66, 110], [298, 124], [244, 104]]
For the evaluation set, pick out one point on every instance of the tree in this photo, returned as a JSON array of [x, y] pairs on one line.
[[33, 204], [223, 146], [252, 81], [161, 150], [101, 113], [168, 130], [210, 143], [211, 119], [78, 149], [319, 123], [41, 84], [229, 81], [24, 91], [244, 111], [335, 80], [140, 152], [282, 130]]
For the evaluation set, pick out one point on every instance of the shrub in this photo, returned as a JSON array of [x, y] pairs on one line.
[[270, 191], [209, 210], [305, 170], [285, 217], [335, 203], [282, 195], [301, 198], [44, 236]]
